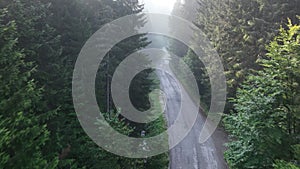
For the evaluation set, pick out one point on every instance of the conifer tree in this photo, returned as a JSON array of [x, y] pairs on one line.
[[266, 126], [23, 133]]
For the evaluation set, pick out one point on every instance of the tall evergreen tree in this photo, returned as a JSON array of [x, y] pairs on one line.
[[23, 132], [51, 34], [266, 126], [239, 30]]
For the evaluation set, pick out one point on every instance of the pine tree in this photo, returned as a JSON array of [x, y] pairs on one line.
[[23, 134], [51, 34]]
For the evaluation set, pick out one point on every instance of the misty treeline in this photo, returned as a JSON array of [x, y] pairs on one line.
[[40, 41], [259, 44], [257, 40]]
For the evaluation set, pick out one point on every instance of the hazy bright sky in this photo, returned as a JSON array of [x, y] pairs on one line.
[[159, 6]]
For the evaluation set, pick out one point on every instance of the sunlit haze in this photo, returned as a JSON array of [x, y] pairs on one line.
[[149, 84], [159, 6]]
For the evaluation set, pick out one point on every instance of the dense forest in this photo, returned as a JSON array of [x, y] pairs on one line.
[[257, 40], [40, 42]]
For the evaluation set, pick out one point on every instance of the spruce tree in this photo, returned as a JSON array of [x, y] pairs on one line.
[[23, 133]]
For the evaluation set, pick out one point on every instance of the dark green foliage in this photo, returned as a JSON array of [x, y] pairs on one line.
[[200, 73], [23, 132], [41, 40]]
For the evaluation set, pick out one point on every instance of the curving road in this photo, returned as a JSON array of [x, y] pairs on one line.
[[189, 153]]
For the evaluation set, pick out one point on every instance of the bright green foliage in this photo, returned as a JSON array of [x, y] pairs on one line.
[[266, 123], [284, 165], [23, 136], [284, 62], [240, 29], [258, 138]]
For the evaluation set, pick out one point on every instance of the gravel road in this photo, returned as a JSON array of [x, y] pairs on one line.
[[189, 153]]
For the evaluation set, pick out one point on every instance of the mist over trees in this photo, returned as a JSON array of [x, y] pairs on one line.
[[257, 40]]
